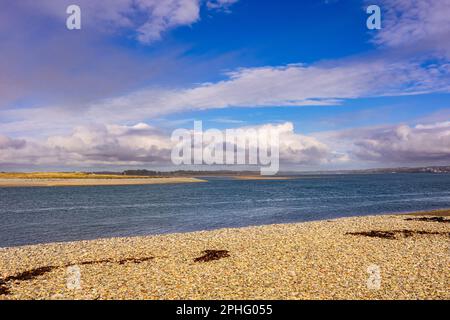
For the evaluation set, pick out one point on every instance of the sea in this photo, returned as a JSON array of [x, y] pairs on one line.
[[32, 215]]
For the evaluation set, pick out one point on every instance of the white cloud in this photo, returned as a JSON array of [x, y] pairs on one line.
[[417, 24], [9, 143], [165, 15], [149, 19], [392, 145], [141, 144], [113, 144], [292, 85], [296, 148], [405, 144], [220, 4], [93, 145]]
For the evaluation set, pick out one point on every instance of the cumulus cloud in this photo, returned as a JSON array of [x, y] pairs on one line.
[[94, 145], [300, 149], [406, 144], [141, 144], [9, 143], [113, 144]]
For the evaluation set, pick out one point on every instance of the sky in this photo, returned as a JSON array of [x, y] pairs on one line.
[[108, 96]]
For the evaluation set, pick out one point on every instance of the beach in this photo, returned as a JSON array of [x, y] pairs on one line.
[[373, 257], [66, 182]]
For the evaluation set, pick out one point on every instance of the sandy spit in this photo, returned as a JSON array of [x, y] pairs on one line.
[[376, 257], [93, 182]]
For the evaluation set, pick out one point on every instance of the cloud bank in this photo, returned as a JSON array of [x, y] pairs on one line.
[[405, 144], [140, 144], [143, 145]]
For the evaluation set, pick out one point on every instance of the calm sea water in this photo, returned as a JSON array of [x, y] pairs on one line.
[[40, 215]]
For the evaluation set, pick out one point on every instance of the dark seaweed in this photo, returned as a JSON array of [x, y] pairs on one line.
[[430, 219], [393, 234], [211, 255], [34, 273]]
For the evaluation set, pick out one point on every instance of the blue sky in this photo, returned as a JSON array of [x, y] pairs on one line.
[[343, 96], [279, 33]]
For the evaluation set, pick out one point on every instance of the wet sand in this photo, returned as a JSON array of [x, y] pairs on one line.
[[375, 257]]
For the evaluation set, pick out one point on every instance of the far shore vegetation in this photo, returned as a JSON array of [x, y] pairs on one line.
[[64, 175]]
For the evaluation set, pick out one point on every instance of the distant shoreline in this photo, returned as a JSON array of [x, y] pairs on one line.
[[436, 213]]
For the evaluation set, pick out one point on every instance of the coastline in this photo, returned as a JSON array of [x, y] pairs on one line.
[[436, 213], [66, 182], [313, 260]]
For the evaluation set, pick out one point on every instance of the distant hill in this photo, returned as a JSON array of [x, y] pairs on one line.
[[151, 173], [433, 169], [178, 173]]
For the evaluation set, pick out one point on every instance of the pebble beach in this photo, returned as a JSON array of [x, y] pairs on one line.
[[372, 257]]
